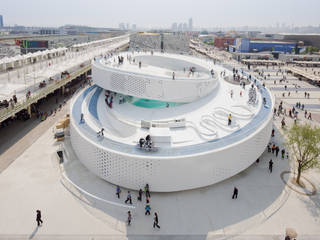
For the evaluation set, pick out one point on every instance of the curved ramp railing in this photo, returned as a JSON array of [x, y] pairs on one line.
[[203, 135], [66, 182], [233, 113], [220, 123]]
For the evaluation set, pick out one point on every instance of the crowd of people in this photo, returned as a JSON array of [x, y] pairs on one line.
[[147, 207], [146, 144], [292, 112], [9, 103], [36, 107], [237, 76], [275, 150]]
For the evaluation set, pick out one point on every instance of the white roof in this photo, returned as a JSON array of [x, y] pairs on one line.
[[5, 60], [29, 55], [91, 43]]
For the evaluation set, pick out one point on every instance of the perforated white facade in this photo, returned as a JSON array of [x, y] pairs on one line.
[[199, 150], [168, 173], [152, 87]]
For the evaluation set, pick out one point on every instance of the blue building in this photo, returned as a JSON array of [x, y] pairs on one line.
[[247, 45], [1, 21], [242, 44]]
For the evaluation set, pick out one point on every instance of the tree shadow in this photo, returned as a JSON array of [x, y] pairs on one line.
[[312, 203]]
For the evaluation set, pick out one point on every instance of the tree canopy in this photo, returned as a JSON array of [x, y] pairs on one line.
[[310, 50], [304, 141]]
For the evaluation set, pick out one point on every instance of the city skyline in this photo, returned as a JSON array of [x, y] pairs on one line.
[[234, 13]]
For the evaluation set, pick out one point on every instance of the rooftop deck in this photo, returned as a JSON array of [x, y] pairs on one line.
[[159, 65], [204, 117]]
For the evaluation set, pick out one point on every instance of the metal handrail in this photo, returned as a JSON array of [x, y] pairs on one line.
[[64, 179], [264, 114], [104, 66], [9, 111]]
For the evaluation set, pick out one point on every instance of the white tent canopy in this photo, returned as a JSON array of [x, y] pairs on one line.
[[38, 54]]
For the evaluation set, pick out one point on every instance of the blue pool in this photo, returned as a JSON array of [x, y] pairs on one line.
[[148, 103]]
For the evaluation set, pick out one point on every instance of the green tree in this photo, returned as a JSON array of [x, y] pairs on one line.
[[304, 141], [209, 42], [311, 50]]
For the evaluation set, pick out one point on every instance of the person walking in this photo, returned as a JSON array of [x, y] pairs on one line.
[[129, 198], [38, 218], [118, 191], [147, 190], [140, 195], [156, 221], [100, 133], [81, 118], [273, 148], [235, 193], [129, 218], [269, 147], [229, 119], [270, 165], [283, 151], [147, 208], [277, 151], [283, 123]]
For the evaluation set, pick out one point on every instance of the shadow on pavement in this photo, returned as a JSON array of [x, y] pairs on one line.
[[193, 212], [33, 233]]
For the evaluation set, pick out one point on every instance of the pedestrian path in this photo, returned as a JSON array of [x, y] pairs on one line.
[[309, 106], [295, 89], [263, 209]]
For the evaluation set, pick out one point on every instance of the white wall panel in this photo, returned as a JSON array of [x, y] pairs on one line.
[[163, 89], [167, 173]]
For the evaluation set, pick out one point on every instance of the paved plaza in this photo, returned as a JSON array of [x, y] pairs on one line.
[[264, 208]]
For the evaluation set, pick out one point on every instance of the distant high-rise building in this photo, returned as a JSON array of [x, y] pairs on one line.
[[128, 26], [134, 27], [190, 24], [185, 27], [122, 26], [48, 31], [180, 27], [174, 27], [1, 21]]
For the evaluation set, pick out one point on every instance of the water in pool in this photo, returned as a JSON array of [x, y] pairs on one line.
[[148, 103]]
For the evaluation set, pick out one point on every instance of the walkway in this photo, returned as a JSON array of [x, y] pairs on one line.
[[196, 213], [264, 208], [19, 136], [250, 128]]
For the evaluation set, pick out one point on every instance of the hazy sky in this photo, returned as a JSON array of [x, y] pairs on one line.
[[160, 13]]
